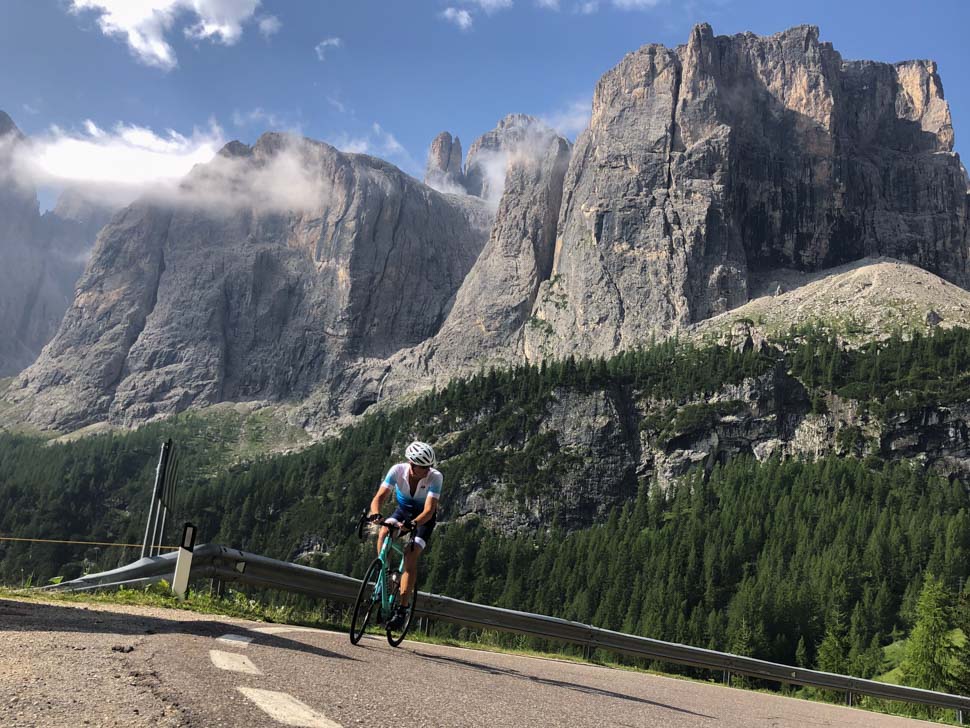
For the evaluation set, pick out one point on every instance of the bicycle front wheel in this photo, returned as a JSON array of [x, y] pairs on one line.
[[368, 600], [396, 636]]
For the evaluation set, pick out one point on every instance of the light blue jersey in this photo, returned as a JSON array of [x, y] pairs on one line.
[[428, 487]]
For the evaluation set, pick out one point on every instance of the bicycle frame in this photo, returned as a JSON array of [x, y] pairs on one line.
[[388, 599]]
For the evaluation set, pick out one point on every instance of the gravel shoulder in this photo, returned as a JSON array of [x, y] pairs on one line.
[[76, 664]]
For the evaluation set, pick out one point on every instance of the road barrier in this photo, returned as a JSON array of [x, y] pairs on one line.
[[226, 564]]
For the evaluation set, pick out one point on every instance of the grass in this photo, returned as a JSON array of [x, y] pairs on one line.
[[895, 653], [233, 604]]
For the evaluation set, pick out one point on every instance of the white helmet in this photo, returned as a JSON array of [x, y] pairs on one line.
[[420, 453]]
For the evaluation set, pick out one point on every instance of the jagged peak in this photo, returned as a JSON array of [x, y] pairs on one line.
[[7, 125], [234, 149]]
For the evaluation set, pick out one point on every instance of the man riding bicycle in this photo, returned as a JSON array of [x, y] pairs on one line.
[[417, 487]]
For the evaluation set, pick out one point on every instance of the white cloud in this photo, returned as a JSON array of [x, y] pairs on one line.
[[588, 8], [571, 119], [490, 6], [269, 25], [30, 109], [636, 4], [144, 23], [337, 104], [530, 142], [220, 20], [288, 179], [327, 43], [548, 4], [461, 18], [121, 163]]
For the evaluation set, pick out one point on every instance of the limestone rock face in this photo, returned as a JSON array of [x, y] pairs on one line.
[[274, 267], [597, 433], [485, 326], [43, 256], [488, 155], [444, 165], [729, 156]]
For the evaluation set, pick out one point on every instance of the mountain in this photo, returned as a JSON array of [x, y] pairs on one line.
[[274, 267], [863, 300], [444, 172], [43, 256], [711, 164], [485, 326], [707, 171]]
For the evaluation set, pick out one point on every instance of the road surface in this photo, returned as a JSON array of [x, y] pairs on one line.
[[108, 665]]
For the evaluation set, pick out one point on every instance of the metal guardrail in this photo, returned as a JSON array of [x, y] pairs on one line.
[[226, 564]]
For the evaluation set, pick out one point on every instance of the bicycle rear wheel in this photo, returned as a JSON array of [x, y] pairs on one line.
[[367, 601], [396, 636]]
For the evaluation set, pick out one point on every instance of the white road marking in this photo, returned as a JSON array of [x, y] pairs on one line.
[[280, 629], [287, 710], [236, 639], [233, 661]]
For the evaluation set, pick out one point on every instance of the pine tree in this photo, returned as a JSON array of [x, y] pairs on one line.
[[801, 653], [930, 652], [961, 673], [832, 652]]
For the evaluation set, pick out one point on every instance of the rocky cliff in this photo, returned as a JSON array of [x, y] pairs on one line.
[[444, 172], [706, 165], [706, 170], [274, 267], [43, 257], [485, 326]]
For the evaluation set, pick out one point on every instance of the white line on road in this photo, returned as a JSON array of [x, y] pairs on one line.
[[287, 710], [236, 639], [280, 629], [233, 661]]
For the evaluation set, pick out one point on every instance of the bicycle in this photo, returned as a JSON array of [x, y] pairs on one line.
[[380, 587]]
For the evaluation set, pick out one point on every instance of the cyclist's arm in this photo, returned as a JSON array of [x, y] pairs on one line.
[[430, 507], [379, 497]]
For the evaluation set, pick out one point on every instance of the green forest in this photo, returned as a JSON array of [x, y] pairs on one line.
[[818, 563]]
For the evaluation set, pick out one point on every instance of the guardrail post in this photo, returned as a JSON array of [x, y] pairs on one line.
[[183, 564], [959, 717], [159, 474], [848, 698]]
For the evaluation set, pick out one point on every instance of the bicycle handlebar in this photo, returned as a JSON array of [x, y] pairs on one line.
[[364, 521]]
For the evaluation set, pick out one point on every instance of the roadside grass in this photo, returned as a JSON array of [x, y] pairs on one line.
[[895, 653], [239, 605], [232, 604]]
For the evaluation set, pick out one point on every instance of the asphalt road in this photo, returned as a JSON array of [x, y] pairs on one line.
[[107, 665]]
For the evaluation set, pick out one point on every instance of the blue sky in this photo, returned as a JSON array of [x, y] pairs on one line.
[[379, 76]]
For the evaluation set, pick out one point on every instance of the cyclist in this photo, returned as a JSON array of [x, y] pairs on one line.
[[416, 485]]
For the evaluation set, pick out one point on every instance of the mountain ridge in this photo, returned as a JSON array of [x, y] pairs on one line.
[[704, 169]]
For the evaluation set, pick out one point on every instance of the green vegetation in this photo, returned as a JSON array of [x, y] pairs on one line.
[[232, 604], [901, 374]]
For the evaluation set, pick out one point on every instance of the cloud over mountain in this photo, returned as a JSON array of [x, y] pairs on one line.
[[144, 24]]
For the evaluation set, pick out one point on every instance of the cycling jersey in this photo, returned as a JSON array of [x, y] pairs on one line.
[[428, 487]]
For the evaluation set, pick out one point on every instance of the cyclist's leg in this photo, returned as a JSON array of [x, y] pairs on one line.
[[400, 515], [411, 556]]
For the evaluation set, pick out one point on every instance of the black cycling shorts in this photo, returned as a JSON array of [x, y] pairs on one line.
[[422, 536]]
